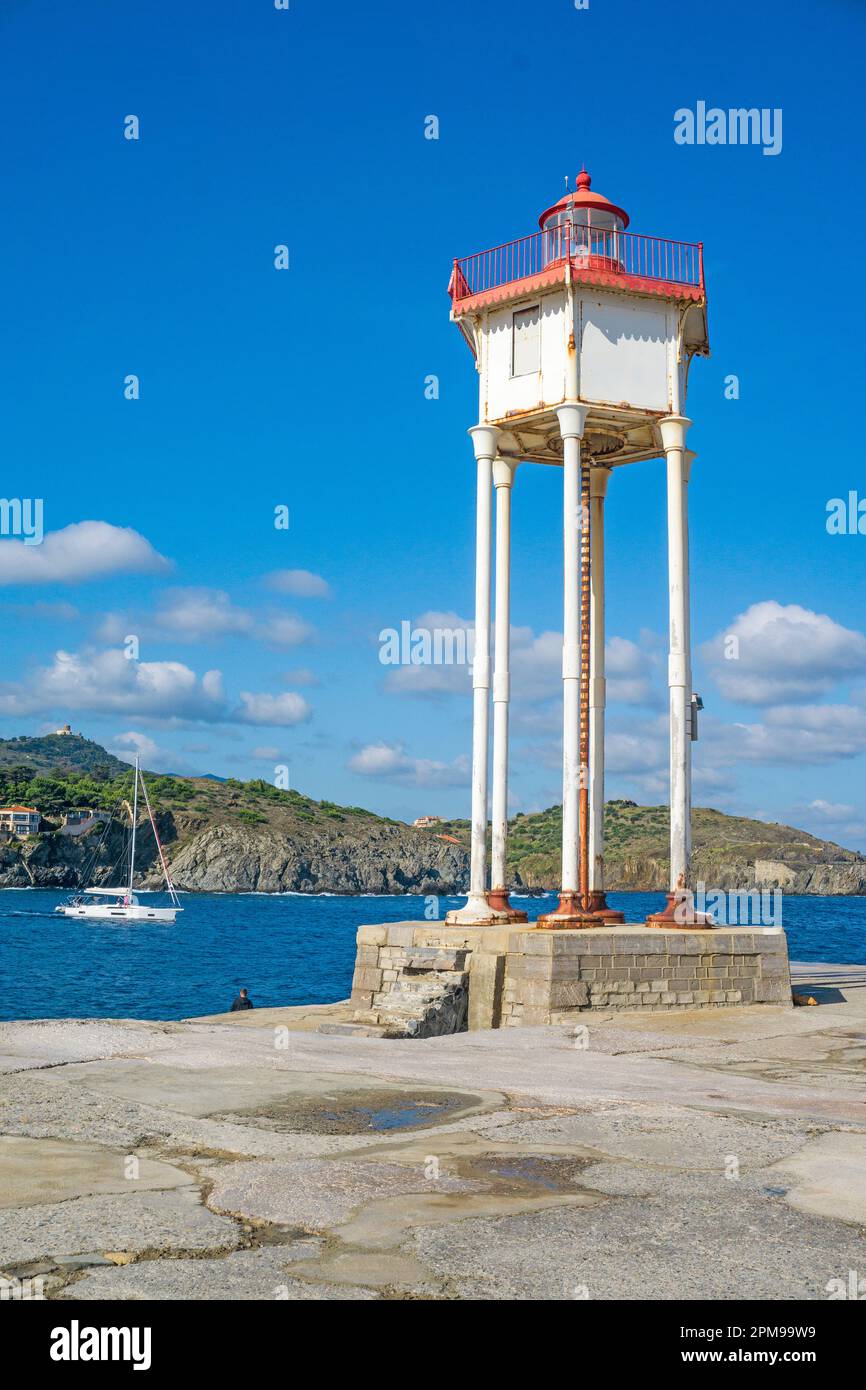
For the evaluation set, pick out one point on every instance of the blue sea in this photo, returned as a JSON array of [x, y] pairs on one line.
[[286, 949]]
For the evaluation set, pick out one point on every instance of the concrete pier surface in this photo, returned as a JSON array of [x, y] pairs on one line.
[[697, 1154]]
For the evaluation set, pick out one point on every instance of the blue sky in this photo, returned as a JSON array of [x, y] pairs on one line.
[[305, 387]]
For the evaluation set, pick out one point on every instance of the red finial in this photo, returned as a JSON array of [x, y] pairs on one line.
[[583, 179]]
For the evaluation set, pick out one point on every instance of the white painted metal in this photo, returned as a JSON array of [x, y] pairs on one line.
[[477, 910], [688, 459], [673, 429], [624, 352], [626, 357], [571, 423], [598, 481], [503, 481]]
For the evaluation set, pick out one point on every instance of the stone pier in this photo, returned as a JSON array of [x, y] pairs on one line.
[[422, 979]]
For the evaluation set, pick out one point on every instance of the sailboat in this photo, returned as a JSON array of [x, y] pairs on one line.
[[121, 904]]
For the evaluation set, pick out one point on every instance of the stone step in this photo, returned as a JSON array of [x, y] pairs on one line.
[[435, 958], [353, 1030]]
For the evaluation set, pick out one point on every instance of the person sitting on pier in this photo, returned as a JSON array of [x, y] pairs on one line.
[[243, 1001]]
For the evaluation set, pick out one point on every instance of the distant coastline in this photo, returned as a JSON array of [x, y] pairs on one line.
[[232, 837]]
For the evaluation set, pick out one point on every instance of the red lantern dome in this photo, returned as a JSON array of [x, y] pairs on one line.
[[585, 208]]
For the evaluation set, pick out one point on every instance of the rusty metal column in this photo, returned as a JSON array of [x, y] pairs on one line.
[[569, 913], [598, 480]]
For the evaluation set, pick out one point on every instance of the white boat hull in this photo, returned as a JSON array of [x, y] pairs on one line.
[[120, 904], [99, 912]]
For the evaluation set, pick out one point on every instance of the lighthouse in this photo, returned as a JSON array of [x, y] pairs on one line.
[[582, 333]]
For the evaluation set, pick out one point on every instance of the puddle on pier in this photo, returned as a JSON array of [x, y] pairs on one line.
[[525, 1173], [358, 1112]]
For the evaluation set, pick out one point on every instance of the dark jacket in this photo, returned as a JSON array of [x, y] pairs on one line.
[[241, 1003]]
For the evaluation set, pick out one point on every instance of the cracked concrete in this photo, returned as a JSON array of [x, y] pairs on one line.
[[692, 1155]]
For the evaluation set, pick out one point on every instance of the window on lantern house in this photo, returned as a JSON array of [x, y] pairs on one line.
[[526, 341], [581, 233]]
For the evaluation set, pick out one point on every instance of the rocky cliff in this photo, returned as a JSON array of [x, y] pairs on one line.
[[393, 859], [230, 836], [373, 856], [224, 858]]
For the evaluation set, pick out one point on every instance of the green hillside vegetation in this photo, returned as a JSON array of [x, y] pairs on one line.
[[61, 773], [639, 835], [58, 773]]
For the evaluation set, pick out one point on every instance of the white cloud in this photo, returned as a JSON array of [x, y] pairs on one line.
[[456, 636], [152, 754], [191, 614], [84, 550], [389, 762], [267, 754], [831, 810], [300, 675], [105, 682], [790, 735], [428, 680], [283, 630], [834, 819], [298, 583], [198, 613], [49, 612], [638, 753], [536, 666], [630, 670], [127, 745], [280, 711], [783, 653], [113, 627]]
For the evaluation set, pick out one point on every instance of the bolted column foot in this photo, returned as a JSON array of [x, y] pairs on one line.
[[499, 901], [598, 906], [679, 914], [570, 915], [477, 912]]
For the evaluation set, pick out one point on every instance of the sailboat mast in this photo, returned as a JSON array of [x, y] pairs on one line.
[[162, 859], [134, 819]]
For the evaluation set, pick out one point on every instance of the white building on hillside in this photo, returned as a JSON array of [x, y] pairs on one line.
[[19, 820]]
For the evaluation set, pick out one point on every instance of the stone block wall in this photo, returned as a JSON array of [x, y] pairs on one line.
[[409, 990], [413, 978], [550, 976]]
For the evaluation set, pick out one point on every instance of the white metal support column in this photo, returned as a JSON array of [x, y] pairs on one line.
[[477, 910], [503, 481], [673, 430], [688, 459], [598, 481]]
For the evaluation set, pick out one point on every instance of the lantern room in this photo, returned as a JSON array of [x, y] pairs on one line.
[[585, 226]]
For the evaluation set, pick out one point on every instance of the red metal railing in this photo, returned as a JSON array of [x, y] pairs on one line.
[[590, 249]]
